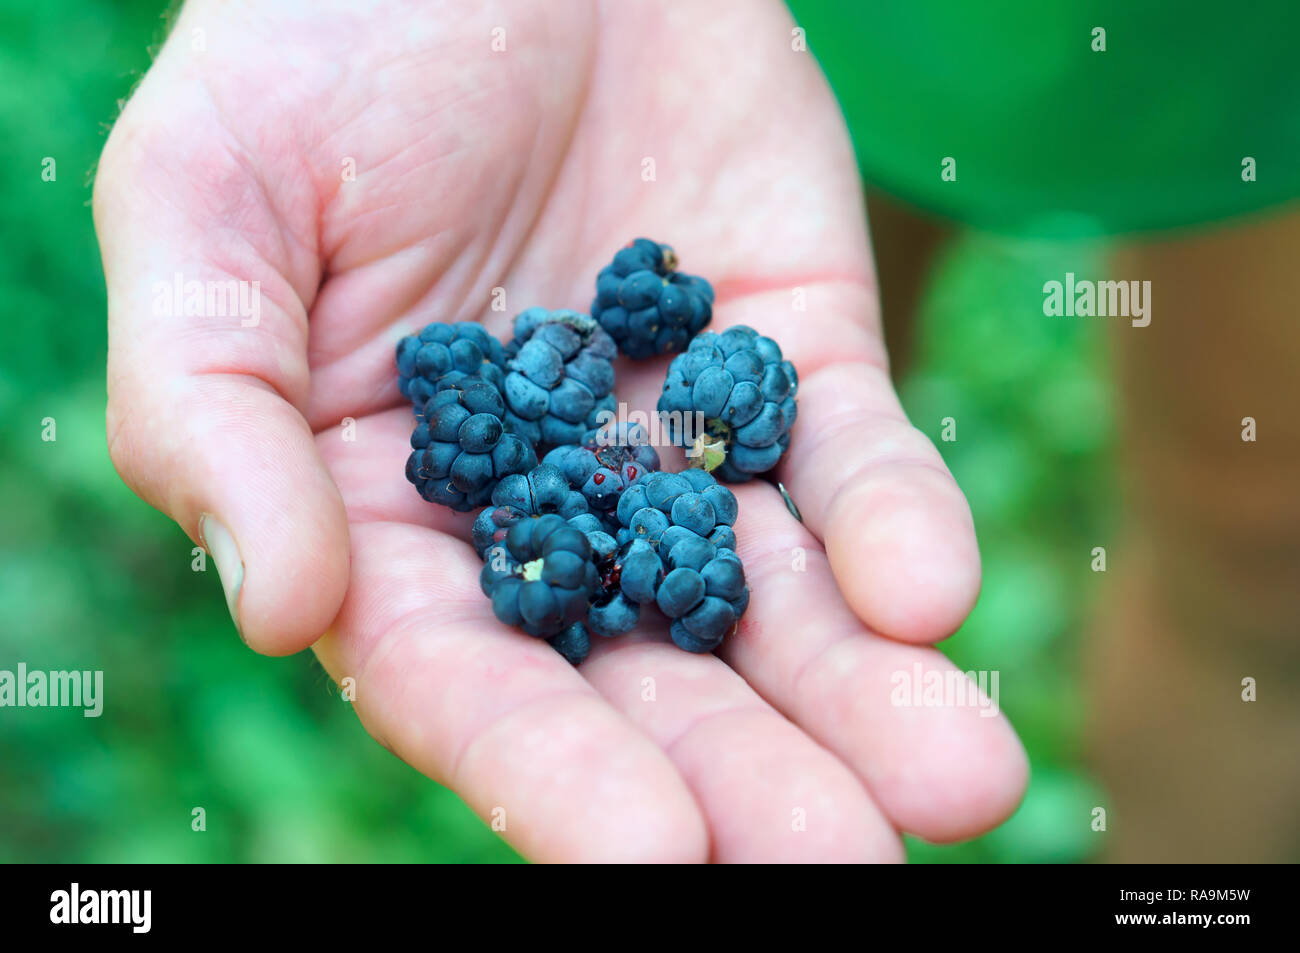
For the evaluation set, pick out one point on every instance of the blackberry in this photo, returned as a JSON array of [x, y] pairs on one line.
[[541, 576], [647, 305], [540, 491], [677, 549], [739, 388], [559, 376], [424, 358], [462, 447], [607, 461]]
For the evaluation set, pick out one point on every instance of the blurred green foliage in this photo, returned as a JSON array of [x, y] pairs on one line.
[[92, 578], [1031, 404]]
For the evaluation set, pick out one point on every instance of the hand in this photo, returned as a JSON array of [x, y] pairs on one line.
[[281, 445]]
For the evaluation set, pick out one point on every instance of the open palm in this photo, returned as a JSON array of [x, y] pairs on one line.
[[378, 170]]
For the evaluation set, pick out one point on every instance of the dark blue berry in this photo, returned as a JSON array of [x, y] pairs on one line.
[[559, 376], [730, 400], [722, 500], [541, 577], [646, 305], [540, 363], [685, 640], [471, 471], [460, 446], [680, 554], [424, 359], [480, 433], [633, 499]]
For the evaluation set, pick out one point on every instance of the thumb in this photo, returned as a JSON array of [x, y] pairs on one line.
[[207, 370]]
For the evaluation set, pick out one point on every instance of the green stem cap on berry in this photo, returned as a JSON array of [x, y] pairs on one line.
[[707, 453]]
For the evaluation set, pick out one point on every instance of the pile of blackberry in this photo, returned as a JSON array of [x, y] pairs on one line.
[[578, 528]]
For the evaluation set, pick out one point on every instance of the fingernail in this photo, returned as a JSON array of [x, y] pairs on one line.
[[789, 502], [221, 547]]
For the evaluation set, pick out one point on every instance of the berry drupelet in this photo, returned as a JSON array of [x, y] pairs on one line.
[[541, 577], [424, 358], [738, 385], [647, 305], [462, 446], [559, 376], [573, 643]]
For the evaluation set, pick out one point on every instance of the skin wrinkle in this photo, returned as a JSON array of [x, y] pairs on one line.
[[326, 199], [214, 265], [499, 720], [226, 273], [839, 423], [118, 420], [557, 168], [773, 562], [750, 707], [277, 367], [357, 219], [431, 288], [254, 175], [218, 331], [815, 660], [412, 302], [470, 610], [840, 494], [872, 465]]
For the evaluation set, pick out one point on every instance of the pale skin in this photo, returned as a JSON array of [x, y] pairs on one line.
[[523, 170]]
